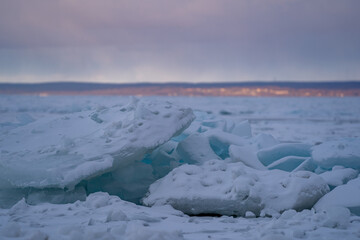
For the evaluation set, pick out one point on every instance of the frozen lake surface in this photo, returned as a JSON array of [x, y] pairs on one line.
[[91, 167]]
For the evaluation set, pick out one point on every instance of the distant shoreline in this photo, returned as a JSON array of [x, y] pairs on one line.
[[260, 88]]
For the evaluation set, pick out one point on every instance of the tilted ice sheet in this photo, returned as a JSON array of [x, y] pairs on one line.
[[60, 151]]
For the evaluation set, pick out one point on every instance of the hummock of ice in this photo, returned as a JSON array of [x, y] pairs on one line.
[[344, 153], [233, 189], [59, 152]]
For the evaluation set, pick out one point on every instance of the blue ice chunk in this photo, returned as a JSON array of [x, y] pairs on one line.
[[130, 183], [164, 159], [270, 155]]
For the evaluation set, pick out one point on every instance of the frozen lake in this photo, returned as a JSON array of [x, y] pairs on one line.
[[58, 153]]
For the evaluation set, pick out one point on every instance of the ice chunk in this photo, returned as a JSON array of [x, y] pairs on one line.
[[60, 152], [307, 165], [347, 195], [242, 129], [233, 189], [339, 176], [264, 140], [195, 149], [163, 159], [130, 183], [270, 155], [246, 155], [344, 153], [220, 141], [288, 163]]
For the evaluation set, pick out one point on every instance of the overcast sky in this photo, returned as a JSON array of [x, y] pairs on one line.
[[179, 40]]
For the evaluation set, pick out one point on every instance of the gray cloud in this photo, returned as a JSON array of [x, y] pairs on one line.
[[163, 40]]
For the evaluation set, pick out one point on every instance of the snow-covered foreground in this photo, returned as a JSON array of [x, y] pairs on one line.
[[241, 168], [107, 217]]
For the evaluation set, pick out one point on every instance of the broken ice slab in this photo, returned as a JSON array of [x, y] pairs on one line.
[[60, 152], [217, 187]]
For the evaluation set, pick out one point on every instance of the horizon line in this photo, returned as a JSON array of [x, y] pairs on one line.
[[189, 83]]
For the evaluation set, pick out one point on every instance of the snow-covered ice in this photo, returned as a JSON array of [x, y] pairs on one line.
[[108, 217], [347, 195], [62, 151], [344, 152], [233, 189], [339, 176], [69, 167]]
